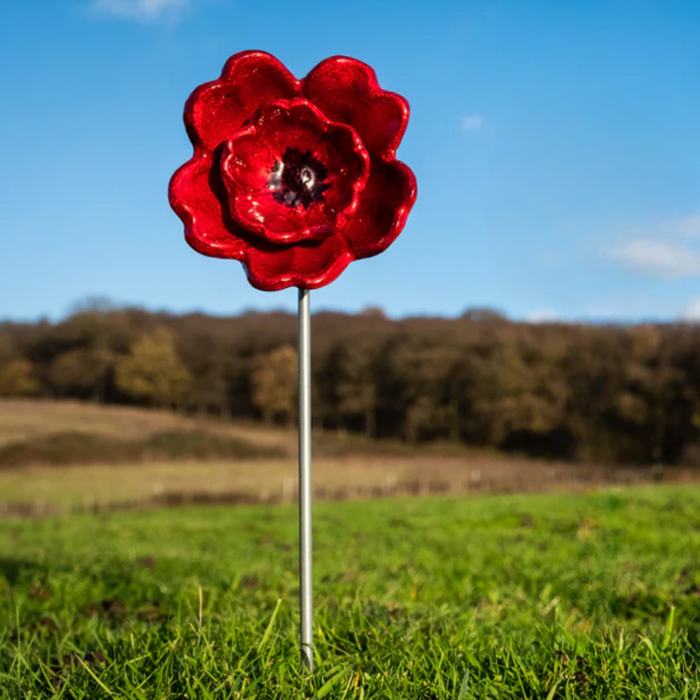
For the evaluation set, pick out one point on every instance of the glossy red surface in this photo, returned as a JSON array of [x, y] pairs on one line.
[[294, 178]]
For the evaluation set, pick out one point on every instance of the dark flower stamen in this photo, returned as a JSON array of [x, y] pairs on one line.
[[298, 179]]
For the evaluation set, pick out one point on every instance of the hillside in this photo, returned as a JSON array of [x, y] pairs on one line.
[[345, 467], [22, 419]]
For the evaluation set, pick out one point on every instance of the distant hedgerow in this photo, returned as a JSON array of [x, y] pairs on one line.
[[72, 448]]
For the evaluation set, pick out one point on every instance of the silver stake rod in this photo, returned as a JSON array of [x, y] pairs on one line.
[[305, 589]]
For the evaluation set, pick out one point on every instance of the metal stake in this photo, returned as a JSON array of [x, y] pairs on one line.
[[305, 564]]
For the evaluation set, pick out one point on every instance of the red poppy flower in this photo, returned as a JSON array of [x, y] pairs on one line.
[[294, 178]]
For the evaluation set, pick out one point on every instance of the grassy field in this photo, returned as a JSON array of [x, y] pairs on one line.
[[522, 597], [345, 467]]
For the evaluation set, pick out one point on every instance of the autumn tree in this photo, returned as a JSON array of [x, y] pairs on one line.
[[152, 372], [352, 391], [16, 379], [16, 372], [431, 402], [76, 357], [206, 357], [274, 384], [516, 389], [83, 372]]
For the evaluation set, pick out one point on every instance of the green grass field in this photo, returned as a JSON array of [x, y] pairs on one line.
[[553, 596]]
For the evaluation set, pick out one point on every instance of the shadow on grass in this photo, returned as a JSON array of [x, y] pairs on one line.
[[14, 570]]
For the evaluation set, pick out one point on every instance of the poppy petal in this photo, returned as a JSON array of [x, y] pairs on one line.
[[346, 90], [384, 207], [194, 201], [250, 78], [307, 266]]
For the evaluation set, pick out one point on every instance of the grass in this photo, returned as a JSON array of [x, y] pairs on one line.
[[524, 597]]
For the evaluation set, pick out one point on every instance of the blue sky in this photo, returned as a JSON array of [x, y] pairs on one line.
[[556, 147]]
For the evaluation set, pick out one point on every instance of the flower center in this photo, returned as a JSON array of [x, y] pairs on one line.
[[298, 180]]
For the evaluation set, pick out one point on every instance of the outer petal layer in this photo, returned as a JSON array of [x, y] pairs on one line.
[[192, 198], [384, 207], [346, 90], [249, 79], [307, 265]]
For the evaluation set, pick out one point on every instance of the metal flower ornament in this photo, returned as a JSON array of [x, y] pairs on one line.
[[295, 179]]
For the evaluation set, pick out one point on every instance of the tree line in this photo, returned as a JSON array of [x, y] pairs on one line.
[[611, 393]]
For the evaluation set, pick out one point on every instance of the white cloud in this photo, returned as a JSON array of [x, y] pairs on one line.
[[670, 229], [542, 316], [658, 258], [692, 313], [139, 9], [690, 226], [472, 122]]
